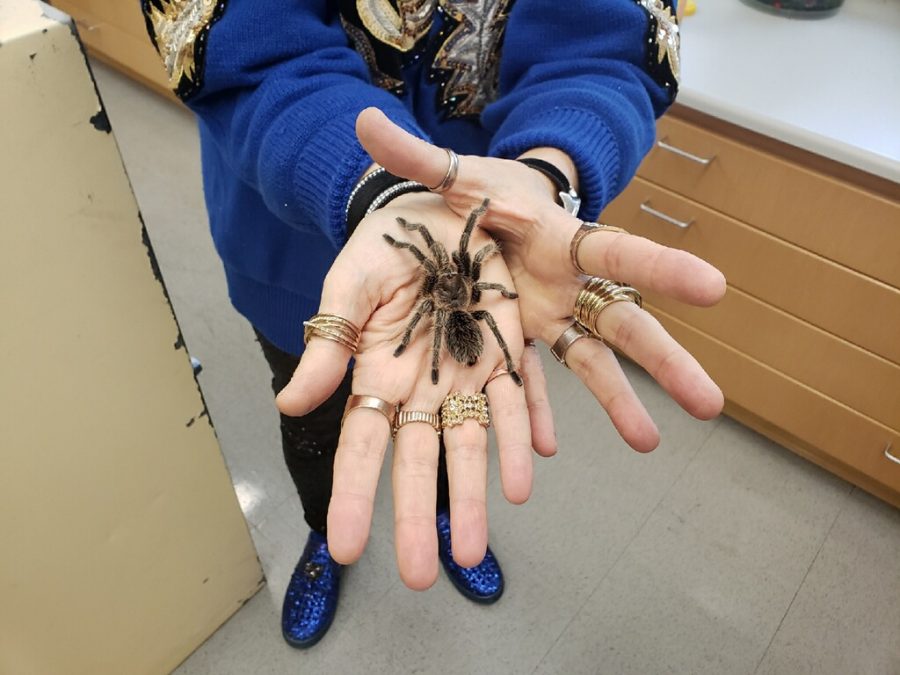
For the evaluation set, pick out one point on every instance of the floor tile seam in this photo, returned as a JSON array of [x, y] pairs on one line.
[[787, 610], [627, 545], [272, 510]]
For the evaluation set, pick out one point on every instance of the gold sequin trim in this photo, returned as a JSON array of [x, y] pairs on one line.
[[179, 30], [400, 28], [663, 42]]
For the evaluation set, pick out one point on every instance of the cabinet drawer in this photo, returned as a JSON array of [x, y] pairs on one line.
[[842, 371], [839, 221], [857, 308], [839, 435]]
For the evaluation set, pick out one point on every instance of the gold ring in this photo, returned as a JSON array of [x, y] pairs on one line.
[[583, 231], [452, 171], [404, 417], [597, 295], [459, 407], [332, 327], [389, 410], [569, 337], [498, 372]]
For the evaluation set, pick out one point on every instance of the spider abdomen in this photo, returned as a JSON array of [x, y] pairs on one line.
[[464, 340]]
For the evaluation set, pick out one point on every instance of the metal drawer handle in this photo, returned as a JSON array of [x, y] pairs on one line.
[[684, 153], [887, 453], [645, 207]]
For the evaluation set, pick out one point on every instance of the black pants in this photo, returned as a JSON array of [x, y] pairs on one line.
[[309, 442]]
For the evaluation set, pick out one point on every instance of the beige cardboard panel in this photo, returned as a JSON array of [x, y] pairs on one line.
[[123, 543]]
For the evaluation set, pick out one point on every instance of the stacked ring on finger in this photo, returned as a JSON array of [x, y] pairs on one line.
[[583, 231], [459, 407], [405, 417], [332, 327], [450, 176], [597, 295]]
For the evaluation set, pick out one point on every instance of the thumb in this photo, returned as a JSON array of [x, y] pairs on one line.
[[398, 151], [324, 362]]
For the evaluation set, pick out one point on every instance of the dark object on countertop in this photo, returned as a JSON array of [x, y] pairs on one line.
[[798, 9]]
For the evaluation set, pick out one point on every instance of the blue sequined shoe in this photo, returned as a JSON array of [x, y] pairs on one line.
[[312, 595], [482, 583]]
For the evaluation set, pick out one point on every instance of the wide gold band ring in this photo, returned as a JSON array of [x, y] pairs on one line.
[[452, 172], [459, 407], [597, 295], [583, 231], [389, 410], [332, 327], [569, 337], [405, 417]]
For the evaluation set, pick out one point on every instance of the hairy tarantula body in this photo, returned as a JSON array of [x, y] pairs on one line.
[[451, 285]]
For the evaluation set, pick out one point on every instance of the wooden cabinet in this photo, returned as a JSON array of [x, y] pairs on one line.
[[806, 343], [115, 33]]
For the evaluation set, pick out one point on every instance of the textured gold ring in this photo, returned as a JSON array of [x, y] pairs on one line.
[[405, 417], [389, 410], [583, 231], [568, 337], [452, 172], [332, 327], [459, 407], [597, 295], [498, 372]]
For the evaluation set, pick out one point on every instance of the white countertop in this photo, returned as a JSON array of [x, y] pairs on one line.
[[830, 86]]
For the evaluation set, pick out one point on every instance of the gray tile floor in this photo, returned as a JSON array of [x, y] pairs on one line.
[[718, 553]]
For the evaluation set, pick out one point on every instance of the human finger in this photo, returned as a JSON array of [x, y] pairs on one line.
[[329, 348], [357, 465], [646, 264], [398, 151], [596, 366], [641, 337], [509, 413], [543, 434], [466, 450], [414, 479]]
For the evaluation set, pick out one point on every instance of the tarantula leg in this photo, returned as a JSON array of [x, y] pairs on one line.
[[425, 307], [486, 316], [426, 263], [440, 320], [491, 286], [440, 253], [482, 256], [465, 260]]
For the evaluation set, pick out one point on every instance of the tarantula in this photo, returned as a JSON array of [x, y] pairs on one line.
[[451, 285]]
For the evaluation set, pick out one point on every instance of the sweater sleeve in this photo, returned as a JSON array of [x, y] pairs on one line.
[[279, 88], [587, 80]]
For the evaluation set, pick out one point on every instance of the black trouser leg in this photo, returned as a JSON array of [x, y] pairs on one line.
[[309, 442]]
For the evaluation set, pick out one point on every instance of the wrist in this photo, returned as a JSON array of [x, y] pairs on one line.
[[561, 182], [557, 158]]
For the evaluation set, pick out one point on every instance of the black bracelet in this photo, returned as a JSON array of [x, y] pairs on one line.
[[568, 198], [374, 191]]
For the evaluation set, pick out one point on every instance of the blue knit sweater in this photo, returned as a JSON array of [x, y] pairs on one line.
[[277, 86]]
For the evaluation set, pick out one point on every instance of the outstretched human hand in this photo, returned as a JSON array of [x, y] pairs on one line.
[[536, 234], [378, 286]]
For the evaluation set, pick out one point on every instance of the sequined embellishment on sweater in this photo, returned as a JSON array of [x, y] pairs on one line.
[[663, 43], [402, 27], [179, 30], [468, 62], [464, 51]]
